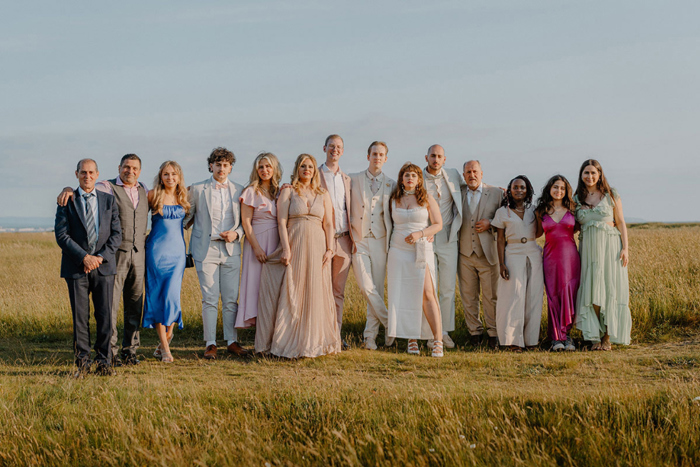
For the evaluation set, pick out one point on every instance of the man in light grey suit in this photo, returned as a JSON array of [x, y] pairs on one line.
[[444, 185], [478, 258], [370, 220], [216, 248]]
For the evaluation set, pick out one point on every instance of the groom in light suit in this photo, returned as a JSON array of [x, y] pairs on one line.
[[216, 248], [371, 224], [444, 185]]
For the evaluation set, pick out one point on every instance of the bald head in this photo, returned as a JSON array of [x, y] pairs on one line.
[[435, 158]]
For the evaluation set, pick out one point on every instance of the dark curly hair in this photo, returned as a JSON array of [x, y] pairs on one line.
[[508, 199], [544, 202], [220, 155]]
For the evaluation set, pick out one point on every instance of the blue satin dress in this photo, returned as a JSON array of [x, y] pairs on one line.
[[165, 266]]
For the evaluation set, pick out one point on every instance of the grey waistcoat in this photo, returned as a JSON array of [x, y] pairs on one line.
[[134, 221]]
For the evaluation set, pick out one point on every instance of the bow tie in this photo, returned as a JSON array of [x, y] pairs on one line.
[[221, 186]]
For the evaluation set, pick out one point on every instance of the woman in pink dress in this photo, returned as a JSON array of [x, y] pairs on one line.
[[561, 261], [259, 220]]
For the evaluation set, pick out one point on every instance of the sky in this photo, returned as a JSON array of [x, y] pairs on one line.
[[527, 87]]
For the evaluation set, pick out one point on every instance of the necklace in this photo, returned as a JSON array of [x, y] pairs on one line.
[[519, 210], [407, 192]]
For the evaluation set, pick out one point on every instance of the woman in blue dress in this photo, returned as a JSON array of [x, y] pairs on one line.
[[165, 255]]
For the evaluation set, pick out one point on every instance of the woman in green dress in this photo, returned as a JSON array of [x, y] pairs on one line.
[[602, 306]]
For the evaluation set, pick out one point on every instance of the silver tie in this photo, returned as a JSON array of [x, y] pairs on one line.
[[90, 221]]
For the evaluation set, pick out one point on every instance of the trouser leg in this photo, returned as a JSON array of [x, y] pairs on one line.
[[469, 291], [229, 276], [533, 302], [78, 293], [446, 259], [208, 274], [102, 288], [123, 260], [133, 302], [340, 268], [488, 277]]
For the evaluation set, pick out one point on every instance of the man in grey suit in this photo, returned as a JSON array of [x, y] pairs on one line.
[[132, 202], [215, 246], [88, 232], [478, 257], [444, 185]]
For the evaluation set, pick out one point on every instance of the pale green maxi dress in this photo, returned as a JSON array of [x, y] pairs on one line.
[[604, 281]]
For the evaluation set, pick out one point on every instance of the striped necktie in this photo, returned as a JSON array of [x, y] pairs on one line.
[[90, 223]]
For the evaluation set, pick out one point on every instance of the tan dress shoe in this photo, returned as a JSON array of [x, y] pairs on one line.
[[210, 352]]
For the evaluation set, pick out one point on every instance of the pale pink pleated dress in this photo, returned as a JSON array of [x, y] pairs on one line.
[[264, 225], [296, 315]]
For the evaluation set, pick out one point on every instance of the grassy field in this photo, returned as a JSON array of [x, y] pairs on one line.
[[634, 406]]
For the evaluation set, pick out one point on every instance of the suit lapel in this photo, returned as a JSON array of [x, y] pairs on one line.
[[101, 209], [207, 196], [78, 202], [482, 201]]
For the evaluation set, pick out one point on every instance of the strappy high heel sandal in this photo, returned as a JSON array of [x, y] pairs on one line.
[[413, 347], [158, 352], [437, 349], [166, 357]]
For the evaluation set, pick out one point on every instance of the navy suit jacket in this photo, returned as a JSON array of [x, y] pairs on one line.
[[71, 235]]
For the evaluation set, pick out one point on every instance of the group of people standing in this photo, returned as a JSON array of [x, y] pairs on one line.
[[301, 238]]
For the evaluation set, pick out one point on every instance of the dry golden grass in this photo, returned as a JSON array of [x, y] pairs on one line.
[[633, 406]]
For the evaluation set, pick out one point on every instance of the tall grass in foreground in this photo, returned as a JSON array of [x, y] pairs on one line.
[[632, 407], [664, 288]]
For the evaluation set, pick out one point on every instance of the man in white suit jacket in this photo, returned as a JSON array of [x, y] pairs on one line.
[[444, 185], [216, 248], [371, 225]]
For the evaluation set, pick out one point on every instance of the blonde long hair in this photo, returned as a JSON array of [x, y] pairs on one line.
[[315, 184], [256, 182], [158, 189]]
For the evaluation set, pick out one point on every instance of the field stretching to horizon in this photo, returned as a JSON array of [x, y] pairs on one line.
[[636, 405]]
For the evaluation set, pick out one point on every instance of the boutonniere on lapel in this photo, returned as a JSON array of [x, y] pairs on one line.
[[388, 185]]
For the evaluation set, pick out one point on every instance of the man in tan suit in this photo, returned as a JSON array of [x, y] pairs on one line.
[[478, 258], [371, 225], [337, 184]]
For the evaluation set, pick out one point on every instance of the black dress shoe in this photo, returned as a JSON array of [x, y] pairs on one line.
[[475, 340], [102, 369], [130, 359], [493, 342], [82, 370], [117, 362]]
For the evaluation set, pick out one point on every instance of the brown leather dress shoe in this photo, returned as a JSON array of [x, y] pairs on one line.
[[235, 348], [210, 352]]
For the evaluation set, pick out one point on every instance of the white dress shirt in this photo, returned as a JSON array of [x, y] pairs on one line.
[[437, 186], [221, 212], [336, 190], [474, 193]]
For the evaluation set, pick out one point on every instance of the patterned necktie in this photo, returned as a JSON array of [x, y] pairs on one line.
[[90, 223]]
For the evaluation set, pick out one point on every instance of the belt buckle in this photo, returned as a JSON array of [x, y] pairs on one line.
[[523, 240]]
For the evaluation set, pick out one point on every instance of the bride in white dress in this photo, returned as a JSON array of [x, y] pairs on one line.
[[414, 310]]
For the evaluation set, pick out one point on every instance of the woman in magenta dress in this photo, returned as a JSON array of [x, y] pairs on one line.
[[561, 262], [259, 220]]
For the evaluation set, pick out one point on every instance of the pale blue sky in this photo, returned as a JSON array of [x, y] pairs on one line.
[[530, 87]]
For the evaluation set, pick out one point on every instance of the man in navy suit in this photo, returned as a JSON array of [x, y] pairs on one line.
[[88, 231]]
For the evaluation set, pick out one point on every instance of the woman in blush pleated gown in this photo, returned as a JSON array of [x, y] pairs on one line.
[[296, 293], [259, 220], [602, 304], [560, 260], [165, 256]]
